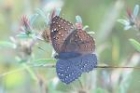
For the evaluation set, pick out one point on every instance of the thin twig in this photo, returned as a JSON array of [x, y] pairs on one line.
[[53, 66], [80, 82], [117, 67], [43, 65], [11, 72]]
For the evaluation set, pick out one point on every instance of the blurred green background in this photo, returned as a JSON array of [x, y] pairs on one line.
[[112, 48]]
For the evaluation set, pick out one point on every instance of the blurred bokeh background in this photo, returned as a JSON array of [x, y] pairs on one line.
[[112, 48]]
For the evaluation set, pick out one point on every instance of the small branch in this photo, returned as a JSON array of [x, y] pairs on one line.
[[53, 66], [117, 67], [43, 65], [11, 72]]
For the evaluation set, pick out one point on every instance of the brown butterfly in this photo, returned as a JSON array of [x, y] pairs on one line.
[[74, 47]]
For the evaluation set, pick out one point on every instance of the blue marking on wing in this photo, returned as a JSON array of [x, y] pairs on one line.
[[68, 70], [87, 62]]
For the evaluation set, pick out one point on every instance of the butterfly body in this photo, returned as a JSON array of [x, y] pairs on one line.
[[67, 55], [75, 50]]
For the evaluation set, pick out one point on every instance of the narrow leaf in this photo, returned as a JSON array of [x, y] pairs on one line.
[[136, 11], [127, 27], [33, 18], [123, 21], [6, 44], [135, 44], [78, 19], [49, 60], [42, 14]]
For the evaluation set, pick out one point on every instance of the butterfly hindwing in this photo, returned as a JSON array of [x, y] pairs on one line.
[[66, 71], [70, 69], [87, 62]]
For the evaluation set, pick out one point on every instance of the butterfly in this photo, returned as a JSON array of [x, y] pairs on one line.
[[74, 47]]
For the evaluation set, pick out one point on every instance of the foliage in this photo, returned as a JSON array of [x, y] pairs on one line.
[[27, 62]]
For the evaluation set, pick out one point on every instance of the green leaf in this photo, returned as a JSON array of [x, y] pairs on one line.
[[43, 62], [78, 19], [100, 90], [135, 44], [25, 36], [42, 14], [6, 44], [50, 60], [30, 71], [123, 21], [33, 18], [85, 27], [136, 10], [13, 78], [91, 33], [22, 35]]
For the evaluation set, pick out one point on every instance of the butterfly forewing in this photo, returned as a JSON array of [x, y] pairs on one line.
[[79, 41], [86, 42], [59, 31]]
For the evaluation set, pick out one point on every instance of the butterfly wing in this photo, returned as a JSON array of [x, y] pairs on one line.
[[74, 48], [68, 70], [65, 38], [59, 31], [79, 41], [87, 62]]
